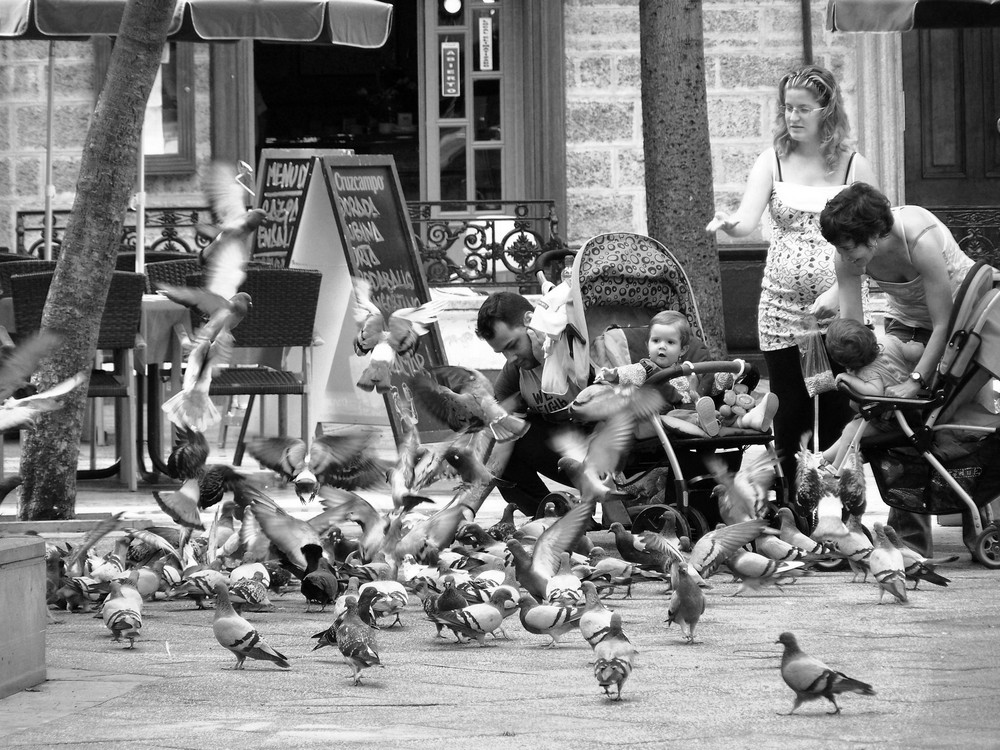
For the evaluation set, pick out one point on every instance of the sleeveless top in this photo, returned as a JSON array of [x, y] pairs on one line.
[[799, 264], [905, 300]]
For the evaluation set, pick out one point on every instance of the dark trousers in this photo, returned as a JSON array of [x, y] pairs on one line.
[[532, 455], [796, 409]]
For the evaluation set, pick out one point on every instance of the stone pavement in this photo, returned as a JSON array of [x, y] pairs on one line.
[[933, 662]]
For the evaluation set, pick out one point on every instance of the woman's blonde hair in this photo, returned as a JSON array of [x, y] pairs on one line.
[[834, 126]]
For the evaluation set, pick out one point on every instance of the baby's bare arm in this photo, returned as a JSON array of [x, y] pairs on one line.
[[873, 387]]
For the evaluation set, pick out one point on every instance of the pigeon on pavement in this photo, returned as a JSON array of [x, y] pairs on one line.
[[887, 566], [919, 568], [553, 620], [687, 601], [613, 658], [811, 679], [238, 635], [356, 641]]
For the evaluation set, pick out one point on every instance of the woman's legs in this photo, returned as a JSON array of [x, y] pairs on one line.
[[796, 409]]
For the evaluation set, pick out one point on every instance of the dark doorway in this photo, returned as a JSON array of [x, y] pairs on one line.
[[952, 143], [314, 96]]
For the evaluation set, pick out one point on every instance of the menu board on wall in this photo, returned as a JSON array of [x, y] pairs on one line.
[[380, 247], [282, 181]]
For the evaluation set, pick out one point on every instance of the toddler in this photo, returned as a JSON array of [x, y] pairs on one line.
[[669, 338], [873, 364]]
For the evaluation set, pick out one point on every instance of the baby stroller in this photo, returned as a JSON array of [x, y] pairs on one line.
[[618, 282], [941, 455]]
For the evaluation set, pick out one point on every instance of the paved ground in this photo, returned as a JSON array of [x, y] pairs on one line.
[[934, 663]]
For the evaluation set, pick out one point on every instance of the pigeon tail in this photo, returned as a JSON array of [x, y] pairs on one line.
[[192, 409]]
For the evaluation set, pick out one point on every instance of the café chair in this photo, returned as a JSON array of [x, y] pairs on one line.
[[282, 316], [118, 334], [172, 272], [23, 265]]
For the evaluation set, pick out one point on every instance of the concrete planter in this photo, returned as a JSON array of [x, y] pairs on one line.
[[22, 616]]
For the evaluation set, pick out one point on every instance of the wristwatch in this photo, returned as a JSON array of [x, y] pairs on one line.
[[918, 378]]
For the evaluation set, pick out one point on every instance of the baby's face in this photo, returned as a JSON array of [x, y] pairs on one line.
[[664, 345]]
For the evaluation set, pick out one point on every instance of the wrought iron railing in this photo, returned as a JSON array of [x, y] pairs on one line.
[[167, 229], [976, 229], [499, 245], [495, 245]]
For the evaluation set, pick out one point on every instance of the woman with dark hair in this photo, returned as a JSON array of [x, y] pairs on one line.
[[918, 265], [809, 163]]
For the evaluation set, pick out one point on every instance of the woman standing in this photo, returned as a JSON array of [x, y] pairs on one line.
[[808, 164], [919, 266]]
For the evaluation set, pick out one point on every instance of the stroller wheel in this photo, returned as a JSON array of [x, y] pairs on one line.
[[650, 518], [987, 549], [697, 523]]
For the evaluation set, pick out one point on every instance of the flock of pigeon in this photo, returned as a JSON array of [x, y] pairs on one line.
[[469, 580]]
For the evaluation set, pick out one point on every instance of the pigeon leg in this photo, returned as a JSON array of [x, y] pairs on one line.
[[834, 702]]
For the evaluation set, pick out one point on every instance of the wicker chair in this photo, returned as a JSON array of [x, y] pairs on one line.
[[173, 272], [24, 265], [119, 327], [126, 260], [283, 315]]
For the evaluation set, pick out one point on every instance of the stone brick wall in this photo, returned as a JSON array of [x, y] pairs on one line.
[[749, 45], [23, 89]]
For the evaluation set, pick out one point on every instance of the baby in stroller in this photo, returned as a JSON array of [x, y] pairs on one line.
[[872, 364], [691, 396]]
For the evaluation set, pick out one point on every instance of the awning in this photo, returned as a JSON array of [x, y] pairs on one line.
[[355, 23], [906, 15]]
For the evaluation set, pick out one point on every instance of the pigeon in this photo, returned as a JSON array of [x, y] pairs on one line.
[[18, 413], [651, 554], [887, 566], [788, 532], [687, 601], [392, 600], [613, 658], [553, 620], [249, 593], [122, 610], [715, 547], [189, 455], [476, 621], [238, 635], [534, 569], [919, 568], [755, 570], [808, 482], [386, 335], [182, 504], [356, 641], [591, 461], [449, 599], [742, 496], [503, 529], [462, 398], [344, 460], [320, 584], [811, 679], [564, 586], [596, 618]]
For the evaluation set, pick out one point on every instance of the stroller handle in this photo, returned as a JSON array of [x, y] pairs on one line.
[[736, 366]]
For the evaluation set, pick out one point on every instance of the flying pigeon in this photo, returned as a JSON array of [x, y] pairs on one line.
[[385, 335], [462, 398]]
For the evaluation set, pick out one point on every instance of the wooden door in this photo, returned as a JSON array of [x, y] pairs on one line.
[[952, 142]]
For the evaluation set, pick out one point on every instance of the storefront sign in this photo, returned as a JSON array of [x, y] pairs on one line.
[[451, 71], [486, 43]]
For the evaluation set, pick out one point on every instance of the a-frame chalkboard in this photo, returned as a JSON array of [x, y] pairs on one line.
[[380, 247]]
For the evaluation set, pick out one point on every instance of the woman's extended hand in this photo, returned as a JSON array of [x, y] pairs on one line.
[[827, 305], [721, 221]]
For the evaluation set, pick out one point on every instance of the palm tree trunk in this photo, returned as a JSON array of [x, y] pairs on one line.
[[83, 275]]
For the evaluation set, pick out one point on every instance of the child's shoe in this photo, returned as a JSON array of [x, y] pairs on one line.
[[708, 417]]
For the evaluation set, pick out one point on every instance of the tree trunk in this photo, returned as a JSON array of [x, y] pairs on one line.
[[83, 275], [680, 198]]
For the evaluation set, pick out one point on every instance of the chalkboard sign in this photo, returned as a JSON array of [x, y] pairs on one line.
[[380, 247], [282, 181]]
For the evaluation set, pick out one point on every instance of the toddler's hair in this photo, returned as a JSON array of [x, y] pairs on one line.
[[851, 344], [673, 319]]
